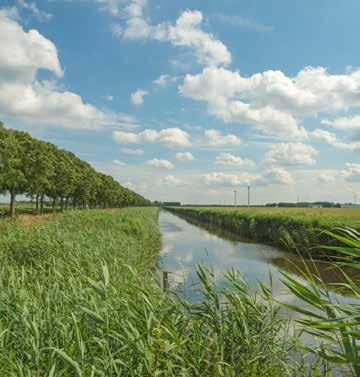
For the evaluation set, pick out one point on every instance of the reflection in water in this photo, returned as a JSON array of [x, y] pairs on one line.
[[186, 245]]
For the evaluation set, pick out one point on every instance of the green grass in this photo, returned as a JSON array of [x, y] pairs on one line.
[[298, 230], [78, 298]]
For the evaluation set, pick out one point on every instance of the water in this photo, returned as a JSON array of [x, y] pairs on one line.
[[185, 245]]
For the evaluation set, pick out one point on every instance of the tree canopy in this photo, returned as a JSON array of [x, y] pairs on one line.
[[43, 171]]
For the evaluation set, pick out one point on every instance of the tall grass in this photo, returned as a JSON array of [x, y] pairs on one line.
[[297, 230], [78, 298], [336, 325]]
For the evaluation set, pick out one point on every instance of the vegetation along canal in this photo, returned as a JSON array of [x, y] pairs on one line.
[[185, 245]]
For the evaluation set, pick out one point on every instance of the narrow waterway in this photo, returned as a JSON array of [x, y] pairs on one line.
[[185, 245]]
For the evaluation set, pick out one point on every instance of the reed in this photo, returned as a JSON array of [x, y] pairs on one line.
[[296, 230], [78, 297]]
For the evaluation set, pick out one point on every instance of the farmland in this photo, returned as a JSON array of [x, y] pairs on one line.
[[290, 228]]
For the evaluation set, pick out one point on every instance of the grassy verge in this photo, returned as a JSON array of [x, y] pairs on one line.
[[77, 298], [296, 230]]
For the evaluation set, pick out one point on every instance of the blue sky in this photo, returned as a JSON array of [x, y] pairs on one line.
[[190, 100]]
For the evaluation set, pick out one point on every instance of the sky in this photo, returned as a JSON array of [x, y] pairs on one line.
[[191, 100]]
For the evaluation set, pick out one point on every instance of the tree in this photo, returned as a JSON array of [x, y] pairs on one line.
[[12, 177], [36, 168]]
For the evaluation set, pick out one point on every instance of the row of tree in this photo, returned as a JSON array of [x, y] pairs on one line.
[[44, 172]]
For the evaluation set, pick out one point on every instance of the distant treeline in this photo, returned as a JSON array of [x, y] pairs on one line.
[[42, 171], [305, 205], [280, 205]]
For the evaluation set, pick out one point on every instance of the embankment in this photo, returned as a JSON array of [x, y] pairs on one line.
[[299, 232]]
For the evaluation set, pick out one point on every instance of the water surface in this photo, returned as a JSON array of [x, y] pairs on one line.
[[185, 245]]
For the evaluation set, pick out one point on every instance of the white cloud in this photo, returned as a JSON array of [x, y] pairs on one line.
[[132, 152], [186, 32], [331, 138], [273, 175], [229, 159], [291, 154], [351, 172], [215, 139], [40, 103], [33, 8], [171, 181], [118, 163], [225, 92], [344, 123], [137, 98], [277, 175], [227, 179], [273, 102], [170, 137], [109, 98], [185, 156], [164, 80], [111, 6], [130, 186], [326, 177], [161, 164], [116, 30]]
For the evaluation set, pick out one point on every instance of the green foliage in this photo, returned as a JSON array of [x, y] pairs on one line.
[[39, 169], [336, 325], [297, 230], [77, 298]]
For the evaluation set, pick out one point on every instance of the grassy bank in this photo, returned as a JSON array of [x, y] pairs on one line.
[[78, 298], [292, 229]]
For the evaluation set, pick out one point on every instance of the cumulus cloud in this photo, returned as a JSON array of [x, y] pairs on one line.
[[344, 123], [326, 177], [291, 154], [214, 138], [39, 14], [170, 137], [171, 181], [227, 179], [132, 152], [161, 164], [186, 32], [332, 139], [165, 80], [108, 97], [185, 156], [277, 175], [36, 102], [118, 163], [351, 172], [271, 101], [273, 175], [228, 159], [111, 6], [137, 98]]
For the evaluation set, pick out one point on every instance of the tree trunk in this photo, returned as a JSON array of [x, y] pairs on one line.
[[62, 204], [42, 204], [37, 204], [53, 204], [12, 203], [66, 203]]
